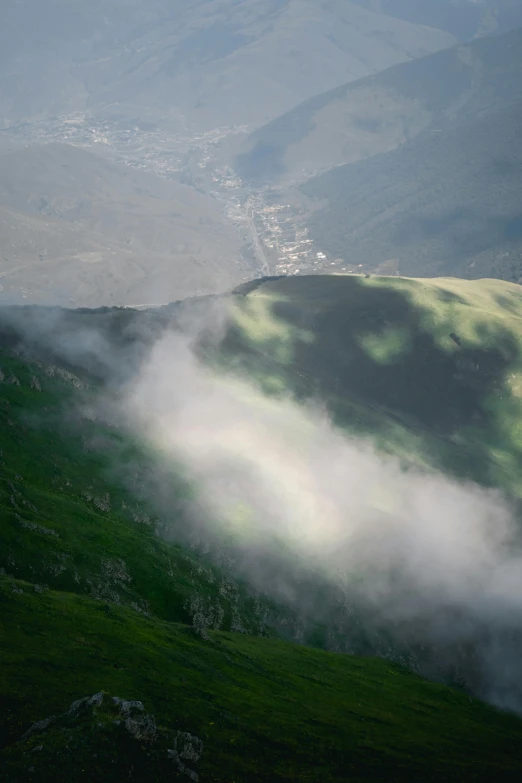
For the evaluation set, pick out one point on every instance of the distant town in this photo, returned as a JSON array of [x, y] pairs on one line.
[[274, 234]]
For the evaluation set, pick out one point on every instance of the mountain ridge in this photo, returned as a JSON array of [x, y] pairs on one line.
[[384, 111], [250, 61]]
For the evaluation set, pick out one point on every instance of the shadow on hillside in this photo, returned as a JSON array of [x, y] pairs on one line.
[[422, 384], [466, 232]]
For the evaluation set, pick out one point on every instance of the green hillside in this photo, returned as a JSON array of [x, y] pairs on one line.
[[264, 710], [101, 591], [379, 352]]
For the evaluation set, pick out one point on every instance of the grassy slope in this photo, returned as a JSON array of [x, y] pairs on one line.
[[265, 710], [70, 523], [292, 712], [378, 352]]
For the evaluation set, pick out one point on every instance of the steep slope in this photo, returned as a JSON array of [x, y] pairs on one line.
[[197, 65], [446, 203], [260, 710], [81, 230], [383, 112], [109, 583]]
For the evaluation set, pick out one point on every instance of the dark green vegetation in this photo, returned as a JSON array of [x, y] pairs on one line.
[[58, 467], [93, 599], [265, 710]]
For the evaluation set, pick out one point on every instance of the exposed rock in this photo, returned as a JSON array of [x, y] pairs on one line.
[[205, 612], [40, 588], [189, 747], [103, 503], [39, 726], [186, 748], [99, 731], [45, 531], [57, 372]]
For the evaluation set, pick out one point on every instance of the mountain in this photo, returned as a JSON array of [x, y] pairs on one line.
[[133, 634], [81, 229], [195, 65], [446, 203], [380, 113], [111, 586], [465, 19]]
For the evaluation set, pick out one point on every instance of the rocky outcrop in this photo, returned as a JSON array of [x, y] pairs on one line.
[[111, 738]]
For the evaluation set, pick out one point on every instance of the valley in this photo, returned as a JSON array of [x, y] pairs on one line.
[[273, 237]]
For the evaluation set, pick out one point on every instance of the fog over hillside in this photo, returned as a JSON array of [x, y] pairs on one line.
[[261, 391], [428, 560], [389, 558]]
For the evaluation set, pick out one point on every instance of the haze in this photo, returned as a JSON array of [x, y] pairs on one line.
[[137, 166]]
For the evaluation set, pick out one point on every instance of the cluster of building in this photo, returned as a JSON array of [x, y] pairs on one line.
[[151, 148], [282, 231], [276, 232]]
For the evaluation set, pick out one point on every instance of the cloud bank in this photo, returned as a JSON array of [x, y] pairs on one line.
[[433, 562], [391, 560]]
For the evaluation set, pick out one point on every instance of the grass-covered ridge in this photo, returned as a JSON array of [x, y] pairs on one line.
[[430, 368]]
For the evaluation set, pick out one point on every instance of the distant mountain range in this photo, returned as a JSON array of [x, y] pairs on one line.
[[446, 203], [382, 112], [416, 170], [338, 82], [196, 65], [463, 18]]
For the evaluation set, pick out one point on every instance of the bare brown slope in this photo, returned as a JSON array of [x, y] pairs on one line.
[[87, 231]]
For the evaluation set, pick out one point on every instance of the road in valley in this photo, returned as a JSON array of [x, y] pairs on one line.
[[258, 246]]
